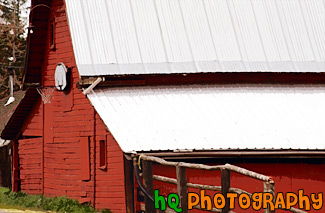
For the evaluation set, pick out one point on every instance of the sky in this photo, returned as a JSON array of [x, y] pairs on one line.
[[25, 11]]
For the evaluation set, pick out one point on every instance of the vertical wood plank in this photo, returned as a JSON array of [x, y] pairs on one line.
[[269, 187], [181, 187], [225, 185], [48, 122], [15, 167], [129, 193], [148, 184]]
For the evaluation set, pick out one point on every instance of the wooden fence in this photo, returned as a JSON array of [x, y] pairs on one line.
[[182, 185]]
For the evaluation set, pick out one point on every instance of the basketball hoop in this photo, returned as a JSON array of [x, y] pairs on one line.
[[46, 93]]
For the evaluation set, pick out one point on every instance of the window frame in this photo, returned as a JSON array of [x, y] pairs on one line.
[[52, 34], [103, 153]]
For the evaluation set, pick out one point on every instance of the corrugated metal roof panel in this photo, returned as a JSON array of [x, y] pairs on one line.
[[166, 36], [213, 117]]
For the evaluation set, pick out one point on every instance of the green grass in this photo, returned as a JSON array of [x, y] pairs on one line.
[[22, 200]]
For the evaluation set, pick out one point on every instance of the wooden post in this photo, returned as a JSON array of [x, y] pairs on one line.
[[15, 166], [148, 184], [269, 187], [129, 186], [225, 186], [181, 187]]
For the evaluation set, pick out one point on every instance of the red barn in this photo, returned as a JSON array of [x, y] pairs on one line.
[[211, 82]]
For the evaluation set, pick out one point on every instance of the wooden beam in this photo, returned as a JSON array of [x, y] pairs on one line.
[[182, 187], [225, 186], [296, 210], [212, 210], [248, 173], [269, 187], [183, 164], [199, 186], [148, 184], [227, 166]]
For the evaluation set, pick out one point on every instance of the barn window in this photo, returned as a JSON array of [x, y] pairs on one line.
[[102, 154], [52, 34]]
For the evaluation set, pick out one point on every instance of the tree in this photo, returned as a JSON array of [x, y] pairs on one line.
[[12, 43]]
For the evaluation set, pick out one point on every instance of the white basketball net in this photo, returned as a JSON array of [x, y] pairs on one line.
[[46, 93]]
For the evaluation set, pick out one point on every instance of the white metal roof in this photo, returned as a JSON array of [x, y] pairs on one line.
[[213, 117], [185, 36]]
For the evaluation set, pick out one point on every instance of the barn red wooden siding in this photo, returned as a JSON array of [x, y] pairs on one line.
[[30, 155], [33, 125], [63, 125], [85, 158]]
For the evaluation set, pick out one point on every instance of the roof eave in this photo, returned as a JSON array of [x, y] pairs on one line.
[[239, 153], [14, 125], [205, 78]]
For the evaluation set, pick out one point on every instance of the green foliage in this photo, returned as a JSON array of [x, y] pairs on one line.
[[63, 204], [20, 199], [39, 202]]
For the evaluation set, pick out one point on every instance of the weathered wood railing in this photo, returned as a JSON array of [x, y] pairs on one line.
[[182, 185]]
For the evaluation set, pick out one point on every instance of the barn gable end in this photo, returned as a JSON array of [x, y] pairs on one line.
[[48, 145]]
